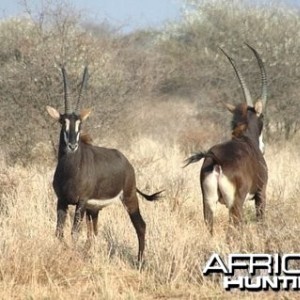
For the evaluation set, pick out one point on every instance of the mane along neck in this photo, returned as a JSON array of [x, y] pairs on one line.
[[86, 138], [245, 123]]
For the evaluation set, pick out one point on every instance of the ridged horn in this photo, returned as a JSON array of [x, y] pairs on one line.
[[264, 83], [83, 84], [68, 109], [245, 89]]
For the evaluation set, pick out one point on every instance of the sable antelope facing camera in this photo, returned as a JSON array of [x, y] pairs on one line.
[[91, 177], [236, 170]]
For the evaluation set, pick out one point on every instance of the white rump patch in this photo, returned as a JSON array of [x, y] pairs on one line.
[[227, 189], [217, 187], [97, 204], [210, 189]]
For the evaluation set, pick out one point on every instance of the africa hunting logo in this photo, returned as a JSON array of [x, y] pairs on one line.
[[256, 272]]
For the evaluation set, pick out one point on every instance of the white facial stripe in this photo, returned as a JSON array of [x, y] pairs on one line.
[[77, 123], [66, 138], [77, 137], [67, 121]]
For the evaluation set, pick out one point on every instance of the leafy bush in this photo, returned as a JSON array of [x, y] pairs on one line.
[[132, 72], [191, 50]]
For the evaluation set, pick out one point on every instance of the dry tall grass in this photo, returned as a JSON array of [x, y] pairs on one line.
[[136, 88], [34, 265]]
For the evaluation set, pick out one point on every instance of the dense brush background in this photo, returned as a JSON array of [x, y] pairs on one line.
[[157, 96]]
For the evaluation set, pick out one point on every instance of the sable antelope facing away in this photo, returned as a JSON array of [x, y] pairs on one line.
[[236, 170], [91, 177]]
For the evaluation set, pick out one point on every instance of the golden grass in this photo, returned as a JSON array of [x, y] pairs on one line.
[[34, 265]]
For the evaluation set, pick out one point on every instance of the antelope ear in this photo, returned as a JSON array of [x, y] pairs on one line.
[[84, 114], [230, 107], [258, 107], [53, 113]]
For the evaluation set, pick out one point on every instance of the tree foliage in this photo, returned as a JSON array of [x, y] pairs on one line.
[[126, 70]]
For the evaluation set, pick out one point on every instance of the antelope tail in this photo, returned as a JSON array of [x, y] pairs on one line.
[[152, 197], [194, 158]]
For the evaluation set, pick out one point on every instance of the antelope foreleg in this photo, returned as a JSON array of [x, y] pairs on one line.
[[62, 209], [79, 214]]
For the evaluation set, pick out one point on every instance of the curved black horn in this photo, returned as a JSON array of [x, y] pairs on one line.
[[263, 73], [83, 84], [245, 89], [68, 109]]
